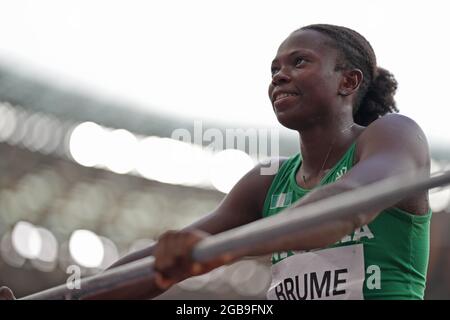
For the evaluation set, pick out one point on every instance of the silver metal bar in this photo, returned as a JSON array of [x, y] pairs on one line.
[[311, 215], [137, 271], [292, 220]]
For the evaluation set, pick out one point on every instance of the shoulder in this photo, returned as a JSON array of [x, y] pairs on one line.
[[394, 124], [392, 145], [245, 201], [256, 183], [262, 175], [394, 134], [394, 119]]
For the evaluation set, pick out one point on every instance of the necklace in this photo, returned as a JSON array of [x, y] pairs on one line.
[[330, 149]]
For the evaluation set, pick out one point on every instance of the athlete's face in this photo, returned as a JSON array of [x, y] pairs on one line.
[[305, 84]]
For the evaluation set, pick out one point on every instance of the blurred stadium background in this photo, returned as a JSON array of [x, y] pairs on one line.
[[86, 178]]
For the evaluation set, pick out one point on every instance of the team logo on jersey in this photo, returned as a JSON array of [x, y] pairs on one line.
[[340, 173]]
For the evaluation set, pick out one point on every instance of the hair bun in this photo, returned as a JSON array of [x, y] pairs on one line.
[[385, 85], [379, 98]]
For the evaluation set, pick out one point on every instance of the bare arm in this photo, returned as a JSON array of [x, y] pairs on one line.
[[241, 206]]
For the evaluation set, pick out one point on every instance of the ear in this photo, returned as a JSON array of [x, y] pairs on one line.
[[350, 82]]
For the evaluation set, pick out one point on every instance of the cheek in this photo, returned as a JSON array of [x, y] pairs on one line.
[[319, 86]]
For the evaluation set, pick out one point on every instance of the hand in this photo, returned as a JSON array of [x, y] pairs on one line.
[[6, 294], [173, 257]]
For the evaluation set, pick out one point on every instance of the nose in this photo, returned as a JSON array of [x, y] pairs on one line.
[[280, 77]]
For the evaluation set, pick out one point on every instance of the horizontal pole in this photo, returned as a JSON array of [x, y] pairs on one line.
[[139, 271], [292, 220]]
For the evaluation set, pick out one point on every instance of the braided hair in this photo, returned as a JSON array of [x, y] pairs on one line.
[[375, 96]]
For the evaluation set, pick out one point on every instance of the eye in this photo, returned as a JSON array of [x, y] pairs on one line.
[[274, 70], [299, 62]]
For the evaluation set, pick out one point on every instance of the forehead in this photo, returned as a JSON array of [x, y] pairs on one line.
[[307, 40]]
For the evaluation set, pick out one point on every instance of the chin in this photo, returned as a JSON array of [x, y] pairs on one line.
[[289, 121], [294, 117], [299, 119]]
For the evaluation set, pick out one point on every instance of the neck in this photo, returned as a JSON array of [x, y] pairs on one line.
[[321, 145]]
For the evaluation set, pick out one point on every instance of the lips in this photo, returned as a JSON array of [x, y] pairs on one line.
[[281, 94], [281, 99]]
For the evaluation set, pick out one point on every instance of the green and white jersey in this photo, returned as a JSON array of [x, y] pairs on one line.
[[386, 259]]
